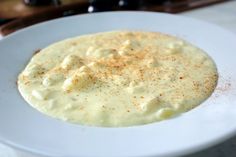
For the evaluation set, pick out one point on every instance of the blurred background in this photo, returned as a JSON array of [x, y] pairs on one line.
[[17, 14]]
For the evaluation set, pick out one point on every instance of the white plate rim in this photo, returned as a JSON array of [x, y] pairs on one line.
[[181, 152]]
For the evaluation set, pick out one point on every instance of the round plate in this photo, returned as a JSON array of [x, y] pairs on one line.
[[23, 127]]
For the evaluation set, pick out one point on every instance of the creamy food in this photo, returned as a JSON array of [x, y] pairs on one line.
[[118, 78]]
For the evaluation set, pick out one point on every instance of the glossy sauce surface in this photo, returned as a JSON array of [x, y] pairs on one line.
[[119, 78]]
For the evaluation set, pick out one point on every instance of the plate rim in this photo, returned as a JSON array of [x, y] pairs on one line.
[[211, 143]]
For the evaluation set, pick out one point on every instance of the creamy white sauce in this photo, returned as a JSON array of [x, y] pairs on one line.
[[118, 78]]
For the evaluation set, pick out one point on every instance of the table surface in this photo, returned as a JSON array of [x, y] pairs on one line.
[[223, 14]]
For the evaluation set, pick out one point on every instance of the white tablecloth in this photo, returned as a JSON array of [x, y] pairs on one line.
[[223, 14]]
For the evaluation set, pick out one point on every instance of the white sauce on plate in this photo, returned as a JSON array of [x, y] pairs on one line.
[[119, 78]]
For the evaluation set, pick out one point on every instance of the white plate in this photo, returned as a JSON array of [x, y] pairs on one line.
[[23, 127]]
